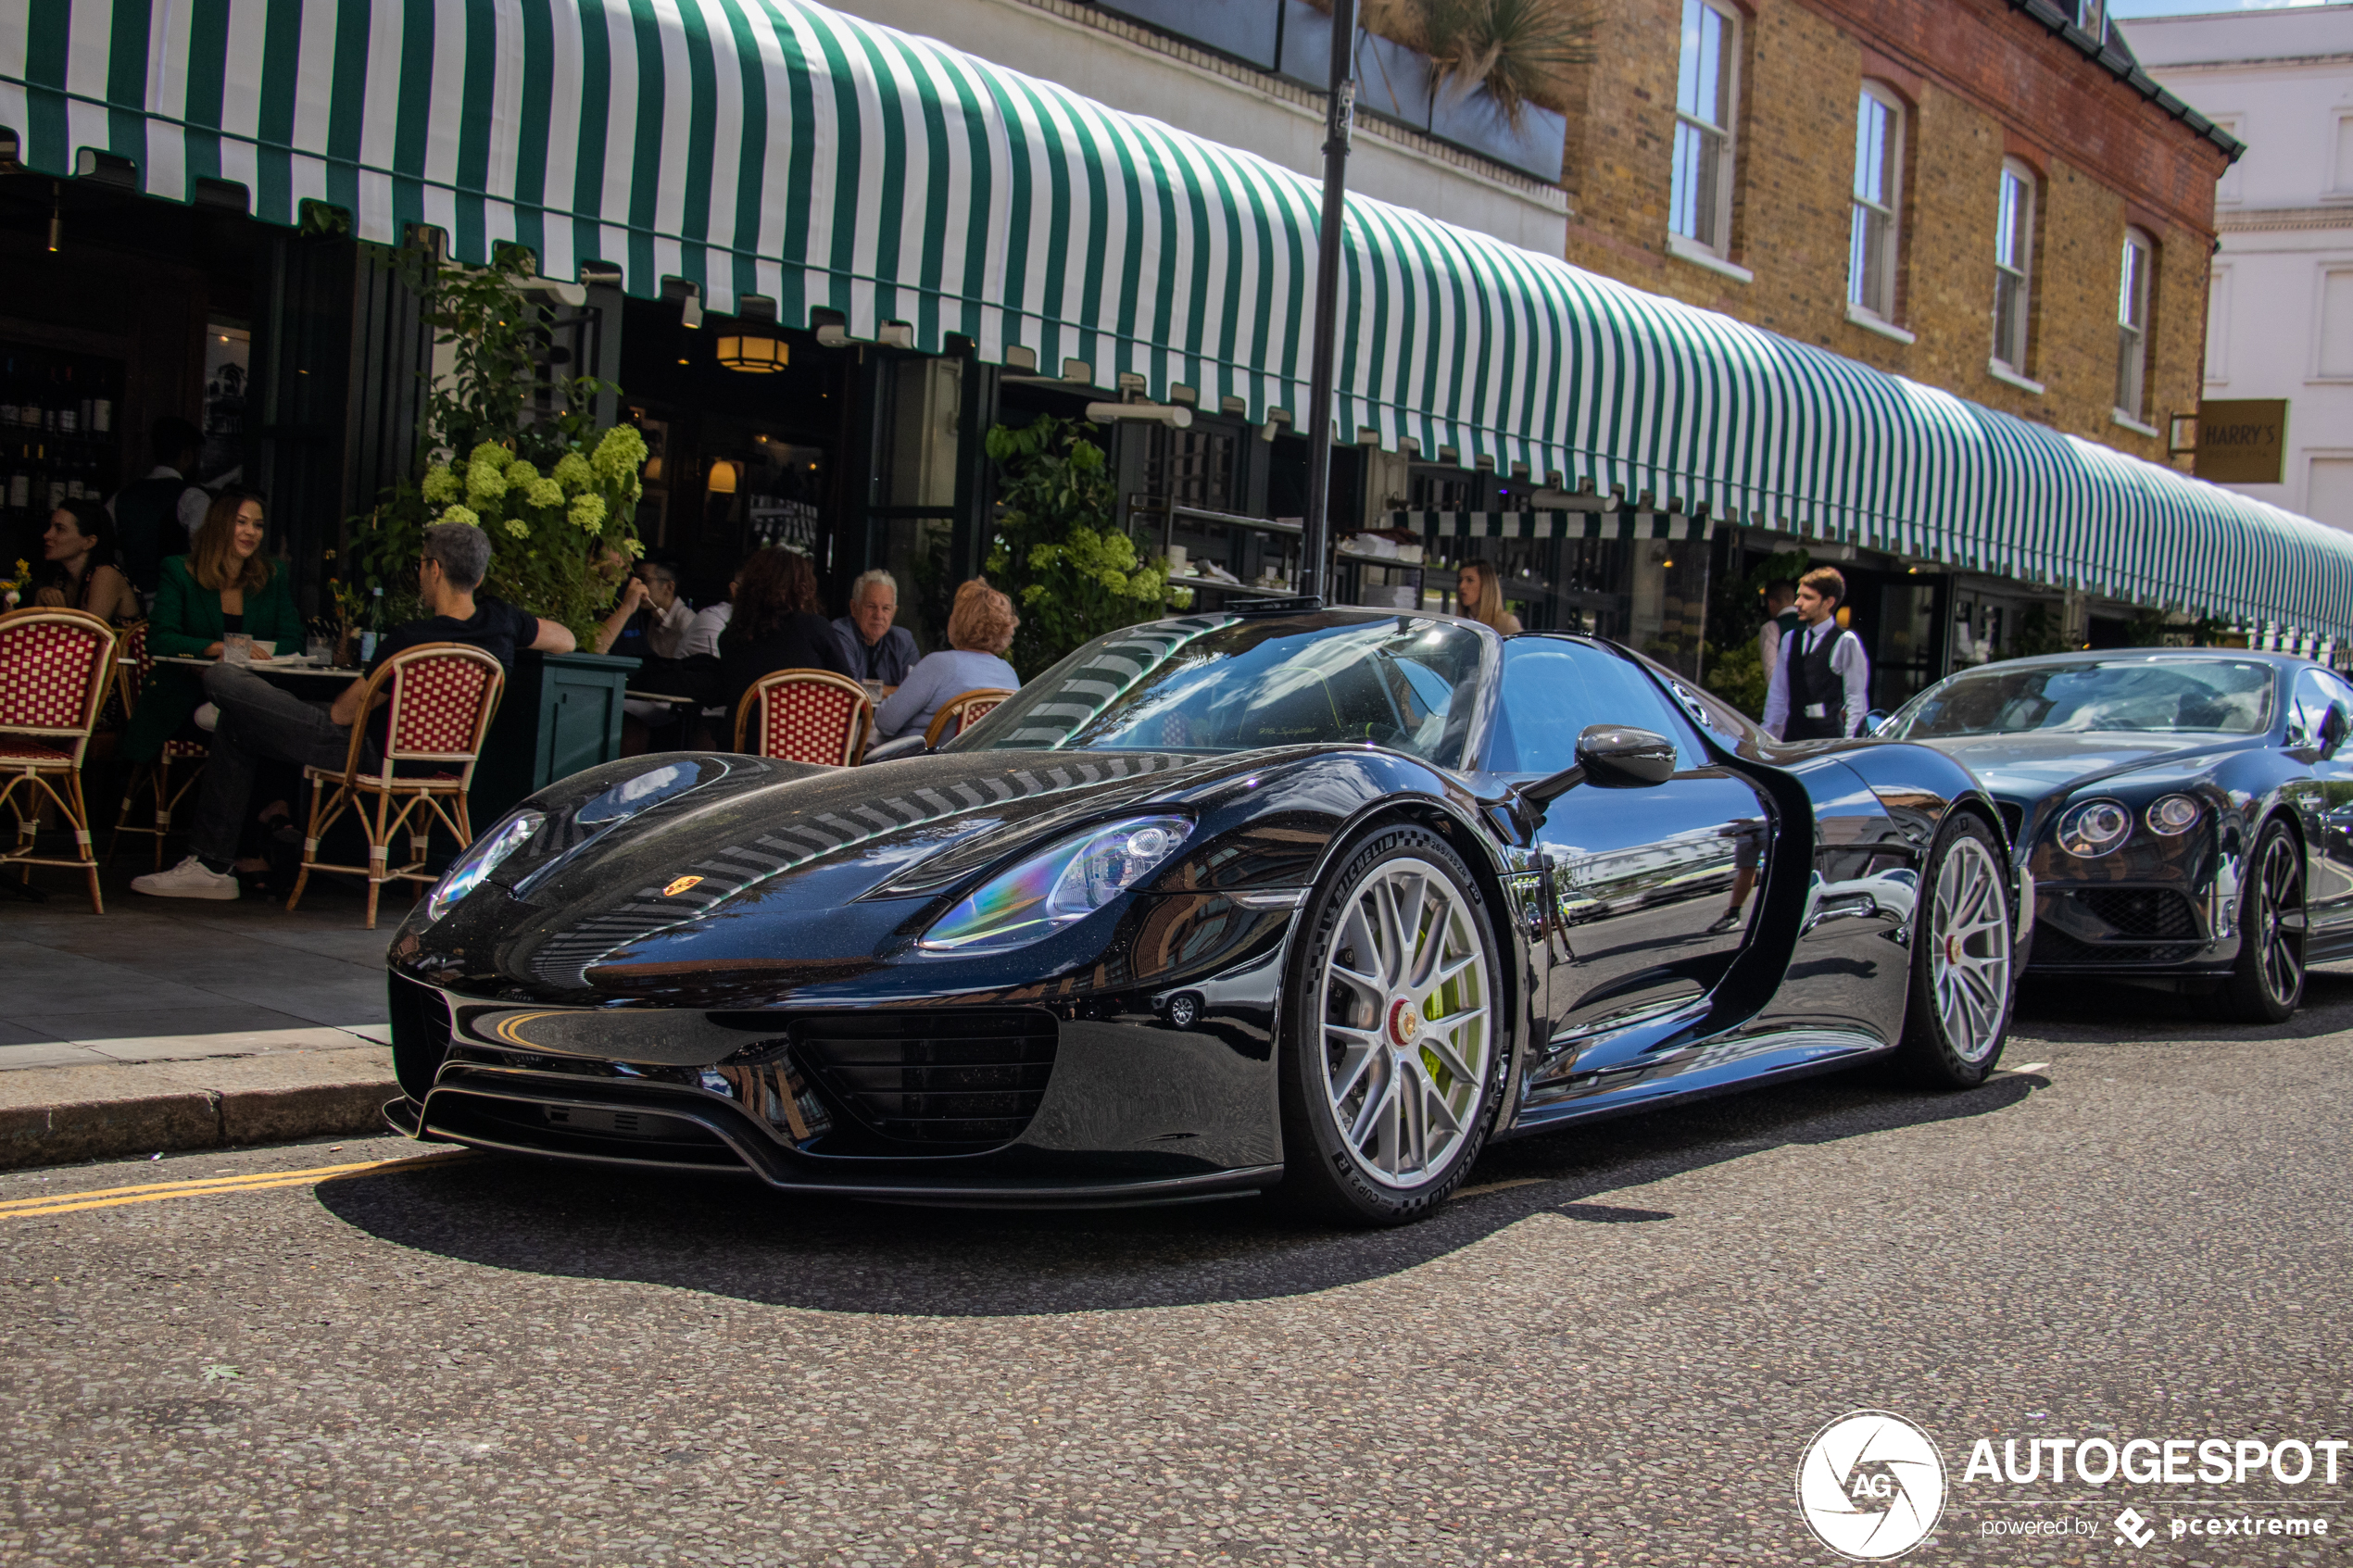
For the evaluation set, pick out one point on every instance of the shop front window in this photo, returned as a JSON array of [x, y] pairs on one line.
[[914, 532], [1193, 468]]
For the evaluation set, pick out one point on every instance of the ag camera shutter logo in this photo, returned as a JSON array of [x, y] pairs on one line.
[[1871, 1486]]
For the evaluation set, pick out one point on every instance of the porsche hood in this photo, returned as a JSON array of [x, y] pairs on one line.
[[731, 845]]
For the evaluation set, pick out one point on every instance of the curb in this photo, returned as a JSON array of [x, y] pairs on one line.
[[108, 1129]]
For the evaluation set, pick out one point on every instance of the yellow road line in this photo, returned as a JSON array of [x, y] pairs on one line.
[[154, 1192], [1485, 1188]]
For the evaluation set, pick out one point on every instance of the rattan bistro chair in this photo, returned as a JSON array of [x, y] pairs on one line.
[[441, 698], [55, 667], [964, 707], [806, 716], [136, 664]]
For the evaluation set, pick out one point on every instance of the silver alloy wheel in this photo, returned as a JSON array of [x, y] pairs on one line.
[[2279, 899], [1408, 1039], [1971, 962]]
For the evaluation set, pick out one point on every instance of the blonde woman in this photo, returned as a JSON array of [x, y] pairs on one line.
[[1480, 593], [225, 583], [980, 629]]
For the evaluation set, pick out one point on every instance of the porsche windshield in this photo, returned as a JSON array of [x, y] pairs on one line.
[[1211, 683], [2135, 695]]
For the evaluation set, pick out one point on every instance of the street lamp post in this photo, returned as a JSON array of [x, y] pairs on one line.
[[1340, 124]]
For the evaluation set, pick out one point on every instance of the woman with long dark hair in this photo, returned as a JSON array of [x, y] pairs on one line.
[[225, 583], [82, 574], [778, 625]]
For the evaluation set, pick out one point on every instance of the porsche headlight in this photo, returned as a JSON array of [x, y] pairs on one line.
[[2170, 816], [481, 859], [2092, 828], [1056, 886]]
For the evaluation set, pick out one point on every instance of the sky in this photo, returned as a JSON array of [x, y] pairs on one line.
[[2125, 10]]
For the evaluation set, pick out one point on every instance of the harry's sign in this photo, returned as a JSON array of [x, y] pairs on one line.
[[2241, 441]]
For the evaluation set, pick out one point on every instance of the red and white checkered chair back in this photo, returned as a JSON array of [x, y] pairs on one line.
[[53, 668], [806, 716], [963, 709], [442, 698], [133, 663]]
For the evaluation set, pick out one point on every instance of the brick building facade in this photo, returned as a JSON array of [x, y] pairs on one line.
[[1982, 85]]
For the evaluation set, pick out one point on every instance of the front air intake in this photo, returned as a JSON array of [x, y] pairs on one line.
[[420, 1033], [944, 1083], [2143, 915]]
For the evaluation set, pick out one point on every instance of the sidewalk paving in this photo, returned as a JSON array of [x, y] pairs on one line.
[[178, 1023]]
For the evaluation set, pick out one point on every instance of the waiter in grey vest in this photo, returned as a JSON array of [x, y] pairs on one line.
[[1822, 683]]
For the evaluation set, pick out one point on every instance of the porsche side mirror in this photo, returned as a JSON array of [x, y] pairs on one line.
[[2333, 727], [1875, 721], [1609, 757]]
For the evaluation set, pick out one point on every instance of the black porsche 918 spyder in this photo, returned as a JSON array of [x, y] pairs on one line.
[[1327, 898], [2186, 815]]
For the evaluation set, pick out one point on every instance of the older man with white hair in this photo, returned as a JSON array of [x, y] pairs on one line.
[[877, 649]]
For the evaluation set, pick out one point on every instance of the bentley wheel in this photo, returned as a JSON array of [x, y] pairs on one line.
[[1394, 1055], [2267, 983], [1960, 1011]]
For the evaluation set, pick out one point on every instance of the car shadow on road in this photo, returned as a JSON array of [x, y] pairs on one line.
[[2077, 1010], [732, 1238]]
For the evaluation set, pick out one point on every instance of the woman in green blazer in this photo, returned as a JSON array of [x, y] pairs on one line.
[[223, 584]]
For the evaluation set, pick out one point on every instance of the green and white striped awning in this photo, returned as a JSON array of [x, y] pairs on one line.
[[777, 149], [1616, 522]]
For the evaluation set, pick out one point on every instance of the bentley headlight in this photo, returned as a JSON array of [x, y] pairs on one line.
[[2172, 815], [1057, 886], [2092, 828], [478, 862]]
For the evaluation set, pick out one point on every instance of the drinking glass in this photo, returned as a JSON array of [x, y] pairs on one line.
[[319, 649], [236, 649]]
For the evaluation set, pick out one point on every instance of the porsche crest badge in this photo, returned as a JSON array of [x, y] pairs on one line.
[[679, 887]]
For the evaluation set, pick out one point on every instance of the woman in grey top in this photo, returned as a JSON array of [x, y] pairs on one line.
[[980, 629]]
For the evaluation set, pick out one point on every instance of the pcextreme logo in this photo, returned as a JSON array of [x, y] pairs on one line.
[[1870, 1486]]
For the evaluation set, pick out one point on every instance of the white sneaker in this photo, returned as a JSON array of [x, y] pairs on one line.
[[189, 879]]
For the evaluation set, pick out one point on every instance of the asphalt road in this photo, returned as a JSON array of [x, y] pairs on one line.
[[1620, 1359]]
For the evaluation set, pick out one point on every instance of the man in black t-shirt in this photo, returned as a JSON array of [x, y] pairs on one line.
[[259, 721]]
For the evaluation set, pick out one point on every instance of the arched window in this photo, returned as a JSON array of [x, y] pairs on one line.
[[1879, 171], [1707, 101], [2138, 271], [2013, 263]]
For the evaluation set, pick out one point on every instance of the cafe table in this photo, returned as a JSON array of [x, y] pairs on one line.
[[289, 665]]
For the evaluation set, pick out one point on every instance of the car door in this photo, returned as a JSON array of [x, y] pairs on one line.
[[2325, 801], [1656, 887]]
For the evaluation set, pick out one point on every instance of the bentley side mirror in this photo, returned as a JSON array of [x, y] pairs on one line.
[[1609, 757], [1875, 721]]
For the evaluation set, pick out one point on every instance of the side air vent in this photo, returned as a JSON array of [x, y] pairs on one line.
[[2013, 819], [947, 1082]]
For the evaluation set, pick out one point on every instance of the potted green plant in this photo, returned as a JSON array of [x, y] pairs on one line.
[[1059, 550], [504, 448]]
